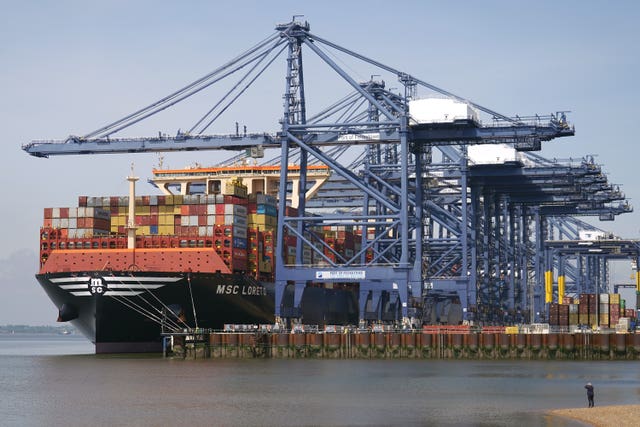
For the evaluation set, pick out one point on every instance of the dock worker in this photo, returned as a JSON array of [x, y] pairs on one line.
[[589, 388]]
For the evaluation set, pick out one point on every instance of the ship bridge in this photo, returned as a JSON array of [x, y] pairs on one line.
[[259, 179]]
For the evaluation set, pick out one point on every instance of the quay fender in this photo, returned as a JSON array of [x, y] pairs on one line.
[[457, 341], [602, 342], [488, 341], [521, 341], [635, 342], [471, 341], [427, 340], [536, 341], [621, 343], [505, 342], [552, 341], [567, 342]]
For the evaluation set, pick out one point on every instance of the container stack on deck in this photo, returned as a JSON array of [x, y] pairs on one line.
[[241, 227]]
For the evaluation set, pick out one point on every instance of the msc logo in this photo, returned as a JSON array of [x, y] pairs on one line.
[[97, 286]]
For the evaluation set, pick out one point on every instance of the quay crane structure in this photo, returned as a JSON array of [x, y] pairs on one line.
[[430, 218]]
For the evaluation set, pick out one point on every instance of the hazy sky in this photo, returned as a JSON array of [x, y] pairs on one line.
[[69, 67]]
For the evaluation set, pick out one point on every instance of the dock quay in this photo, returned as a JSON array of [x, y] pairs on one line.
[[428, 343]]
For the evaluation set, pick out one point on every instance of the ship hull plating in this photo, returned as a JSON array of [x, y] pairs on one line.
[[127, 311]]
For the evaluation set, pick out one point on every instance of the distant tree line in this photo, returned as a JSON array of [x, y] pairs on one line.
[[27, 329]]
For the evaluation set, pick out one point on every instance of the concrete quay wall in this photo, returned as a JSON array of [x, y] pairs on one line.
[[408, 345]]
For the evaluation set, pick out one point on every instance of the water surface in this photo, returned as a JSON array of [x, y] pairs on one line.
[[56, 381]]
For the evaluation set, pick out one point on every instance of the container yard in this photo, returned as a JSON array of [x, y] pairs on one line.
[[411, 223]]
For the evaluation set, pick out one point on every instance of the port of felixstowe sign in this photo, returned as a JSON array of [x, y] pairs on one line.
[[341, 275]]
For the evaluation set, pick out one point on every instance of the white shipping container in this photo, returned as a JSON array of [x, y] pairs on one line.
[[492, 154], [73, 223], [82, 212], [211, 209], [211, 220], [55, 213], [235, 220], [73, 212], [64, 222], [440, 110], [231, 209], [184, 221]]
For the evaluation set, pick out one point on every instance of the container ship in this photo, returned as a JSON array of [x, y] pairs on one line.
[[125, 269]]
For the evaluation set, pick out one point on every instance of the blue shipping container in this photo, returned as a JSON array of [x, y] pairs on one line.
[[239, 243]]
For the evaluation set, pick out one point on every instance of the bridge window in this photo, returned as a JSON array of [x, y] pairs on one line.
[[215, 187]]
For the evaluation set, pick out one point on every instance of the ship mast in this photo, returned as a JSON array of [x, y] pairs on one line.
[[131, 224]]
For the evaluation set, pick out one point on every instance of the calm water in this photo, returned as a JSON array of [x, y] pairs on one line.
[[56, 381]]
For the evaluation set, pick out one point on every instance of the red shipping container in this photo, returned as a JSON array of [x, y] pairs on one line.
[[219, 209], [48, 222], [82, 201], [153, 219], [153, 210], [48, 213], [113, 201], [184, 210], [202, 220], [64, 212]]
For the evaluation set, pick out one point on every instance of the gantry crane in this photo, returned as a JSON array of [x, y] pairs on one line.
[[400, 201]]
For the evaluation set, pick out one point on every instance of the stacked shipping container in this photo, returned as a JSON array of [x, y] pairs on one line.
[[605, 310]]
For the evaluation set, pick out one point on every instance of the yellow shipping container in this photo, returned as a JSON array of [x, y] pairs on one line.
[[119, 220], [511, 330], [257, 220], [123, 210], [166, 230], [614, 298], [166, 219], [266, 267], [143, 230]]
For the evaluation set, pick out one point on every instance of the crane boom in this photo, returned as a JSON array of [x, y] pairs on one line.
[[181, 142], [524, 136]]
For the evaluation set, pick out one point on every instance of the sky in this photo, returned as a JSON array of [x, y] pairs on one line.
[[69, 67]]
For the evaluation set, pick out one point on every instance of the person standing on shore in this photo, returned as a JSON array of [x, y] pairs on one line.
[[589, 388]]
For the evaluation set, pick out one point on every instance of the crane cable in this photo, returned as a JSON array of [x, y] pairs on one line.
[[123, 122]]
